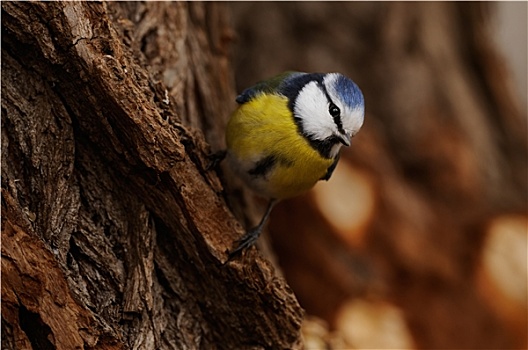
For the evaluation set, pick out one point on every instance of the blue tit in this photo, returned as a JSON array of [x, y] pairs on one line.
[[287, 132]]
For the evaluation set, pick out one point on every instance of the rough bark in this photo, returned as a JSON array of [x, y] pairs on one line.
[[114, 234], [442, 155]]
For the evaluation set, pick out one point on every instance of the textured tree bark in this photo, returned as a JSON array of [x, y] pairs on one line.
[[442, 154], [114, 234]]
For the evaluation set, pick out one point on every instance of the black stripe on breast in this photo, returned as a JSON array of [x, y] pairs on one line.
[[266, 164], [263, 166]]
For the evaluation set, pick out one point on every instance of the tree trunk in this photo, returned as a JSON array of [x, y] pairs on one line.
[[114, 233]]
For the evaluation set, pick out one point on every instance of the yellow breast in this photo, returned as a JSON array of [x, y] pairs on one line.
[[264, 127]]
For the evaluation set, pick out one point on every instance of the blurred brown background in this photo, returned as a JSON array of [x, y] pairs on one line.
[[419, 239]]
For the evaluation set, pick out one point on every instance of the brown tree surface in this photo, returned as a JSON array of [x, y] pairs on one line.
[[114, 234]]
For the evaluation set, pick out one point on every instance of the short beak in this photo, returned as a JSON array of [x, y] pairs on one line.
[[344, 139]]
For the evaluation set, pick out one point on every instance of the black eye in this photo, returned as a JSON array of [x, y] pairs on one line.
[[334, 110]]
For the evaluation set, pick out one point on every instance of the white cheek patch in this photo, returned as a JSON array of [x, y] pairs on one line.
[[311, 106]]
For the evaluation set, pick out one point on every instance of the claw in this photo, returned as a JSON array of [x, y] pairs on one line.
[[215, 159], [252, 235], [245, 242]]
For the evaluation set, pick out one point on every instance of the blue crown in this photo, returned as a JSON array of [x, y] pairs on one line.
[[349, 92]]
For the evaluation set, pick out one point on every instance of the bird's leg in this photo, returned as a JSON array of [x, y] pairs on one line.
[[252, 235]]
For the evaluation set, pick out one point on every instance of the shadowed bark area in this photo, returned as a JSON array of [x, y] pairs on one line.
[[114, 233]]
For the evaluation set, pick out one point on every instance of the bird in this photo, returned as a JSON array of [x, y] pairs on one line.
[[286, 134]]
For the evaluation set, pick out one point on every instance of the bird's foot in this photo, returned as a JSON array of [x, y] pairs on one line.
[[215, 159], [245, 242]]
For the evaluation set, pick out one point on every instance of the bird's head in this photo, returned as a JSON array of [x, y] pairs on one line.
[[329, 110]]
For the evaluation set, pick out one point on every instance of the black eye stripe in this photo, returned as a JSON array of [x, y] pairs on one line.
[[334, 111]]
